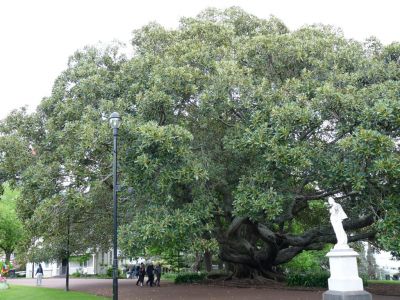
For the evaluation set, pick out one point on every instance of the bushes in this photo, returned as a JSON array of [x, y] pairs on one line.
[[76, 275], [169, 276], [189, 277], [308, 269], [110, 272], [317, 279]]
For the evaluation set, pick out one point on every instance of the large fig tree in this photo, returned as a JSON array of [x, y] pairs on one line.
[[235, 131]]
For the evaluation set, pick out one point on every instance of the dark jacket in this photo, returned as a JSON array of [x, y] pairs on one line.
[[157, 271], [142, 272], [39, 270], [150, 270]]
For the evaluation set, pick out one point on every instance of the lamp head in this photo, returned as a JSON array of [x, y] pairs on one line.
[[115, 120]]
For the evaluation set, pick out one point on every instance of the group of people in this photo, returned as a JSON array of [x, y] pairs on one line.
[[139, 271], [152, 272]]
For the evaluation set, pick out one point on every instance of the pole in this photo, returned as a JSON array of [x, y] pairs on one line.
[[115, 188], [67, 271]]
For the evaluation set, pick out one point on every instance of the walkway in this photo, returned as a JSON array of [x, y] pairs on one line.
[[169, 291]]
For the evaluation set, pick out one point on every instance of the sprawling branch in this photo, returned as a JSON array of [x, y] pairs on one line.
[[300, 202], [315, 234], [316, 238], [266, 234], [235, 225], [287, 254], [316, 196]]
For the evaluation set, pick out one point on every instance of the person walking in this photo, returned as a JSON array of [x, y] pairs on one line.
[[39, 275], [150, 274], [137, 271], [141, 274], [157, 272]]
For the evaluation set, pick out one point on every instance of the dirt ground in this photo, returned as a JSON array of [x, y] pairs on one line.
[[169, 291]]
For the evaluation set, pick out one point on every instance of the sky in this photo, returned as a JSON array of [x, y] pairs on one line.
[[38, 36]]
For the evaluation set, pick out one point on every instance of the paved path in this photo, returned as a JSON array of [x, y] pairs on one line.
[[169, 291]]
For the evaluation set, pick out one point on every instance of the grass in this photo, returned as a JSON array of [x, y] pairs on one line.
[[39, 293], [385, 281]]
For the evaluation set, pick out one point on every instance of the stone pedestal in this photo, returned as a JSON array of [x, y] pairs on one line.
[[344, 283], [359, 295]]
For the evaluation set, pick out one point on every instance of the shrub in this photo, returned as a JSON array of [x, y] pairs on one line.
[[189, 277], [308, 262], [110, 272], [317, 279], [169, 276], [364, 279], [76, 274]]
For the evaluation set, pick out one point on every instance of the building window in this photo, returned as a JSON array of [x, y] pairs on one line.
[[84, 264]]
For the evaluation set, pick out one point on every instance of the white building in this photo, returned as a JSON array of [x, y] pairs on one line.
[[388, 266], [98, 263]]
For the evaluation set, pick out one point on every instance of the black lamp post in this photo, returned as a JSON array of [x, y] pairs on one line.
[[115, 122]]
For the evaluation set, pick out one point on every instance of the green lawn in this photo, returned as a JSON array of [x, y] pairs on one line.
[[385, 281], [38, 293]]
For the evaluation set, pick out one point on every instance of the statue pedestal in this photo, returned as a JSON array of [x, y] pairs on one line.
[[344, 283]]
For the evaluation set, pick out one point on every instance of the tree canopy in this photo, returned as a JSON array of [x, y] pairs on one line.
[[235, 131], [11, 230]]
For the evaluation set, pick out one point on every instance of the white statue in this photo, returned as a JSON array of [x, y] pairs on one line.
[[337, 216]]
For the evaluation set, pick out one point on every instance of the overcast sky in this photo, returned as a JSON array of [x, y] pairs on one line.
[[38, 36]]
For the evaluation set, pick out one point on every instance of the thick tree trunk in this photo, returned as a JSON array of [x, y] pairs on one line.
[[67, 277], [242, 249], [197, 262], [8, 257], [246, 261], [208, 260], [220, 265], [253, 250]]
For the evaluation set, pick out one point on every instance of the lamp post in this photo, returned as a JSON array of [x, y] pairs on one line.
[[115, 122]]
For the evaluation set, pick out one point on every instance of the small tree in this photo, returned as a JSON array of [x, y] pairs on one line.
[[11, 228]]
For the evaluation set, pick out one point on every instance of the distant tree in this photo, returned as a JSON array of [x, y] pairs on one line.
[[11, 229], [372, 266]]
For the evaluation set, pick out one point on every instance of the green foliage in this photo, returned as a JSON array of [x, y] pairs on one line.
[[308, 261], [110, 273], [11, 229], [189, 277], [389, 226], [76, 274], [169, 276], [314, 279], [80, 258]]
